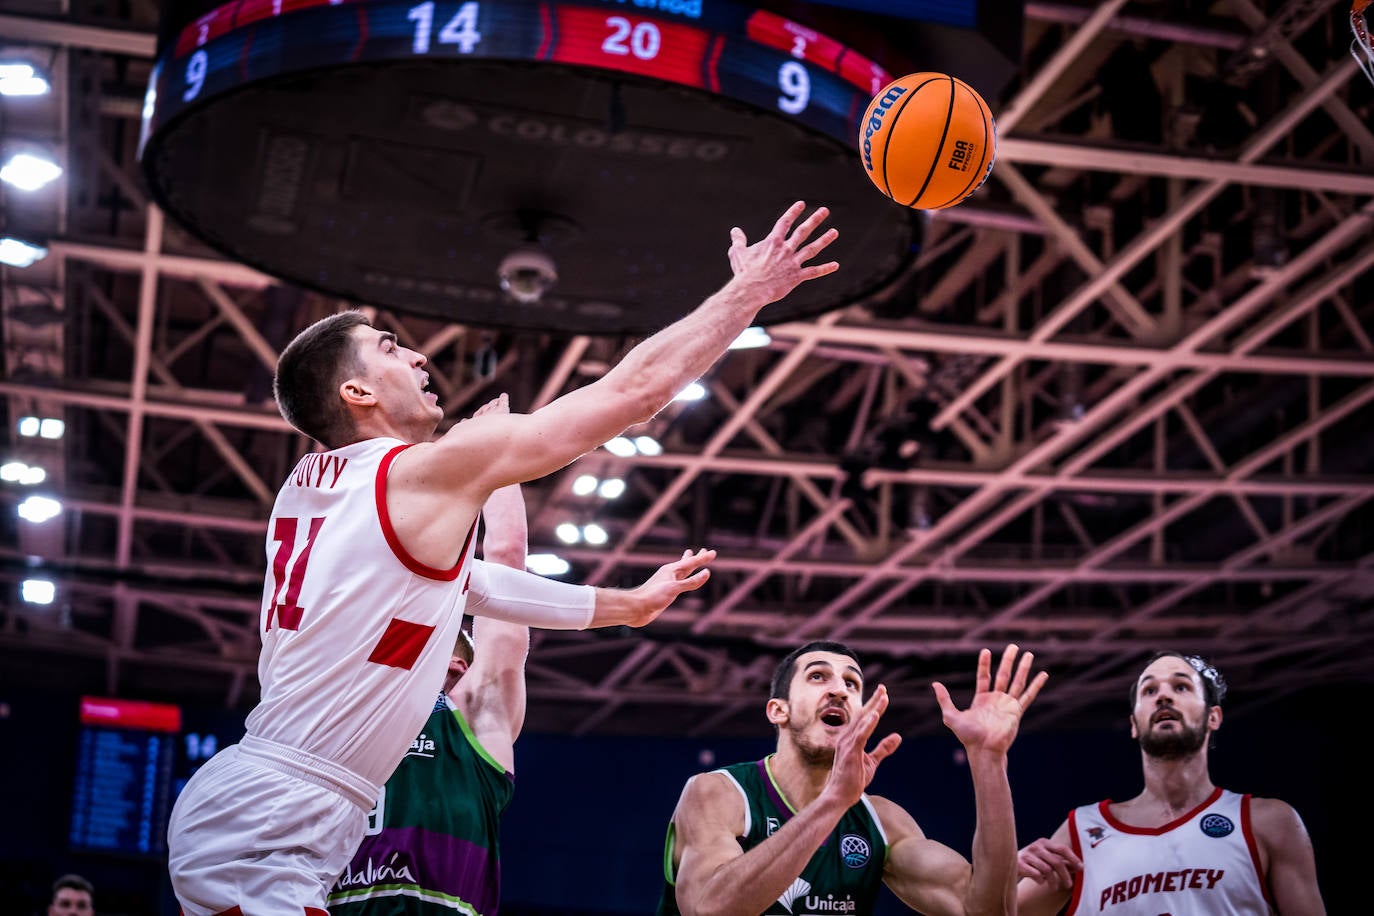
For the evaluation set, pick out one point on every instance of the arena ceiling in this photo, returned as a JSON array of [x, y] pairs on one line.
[[1124, 404]]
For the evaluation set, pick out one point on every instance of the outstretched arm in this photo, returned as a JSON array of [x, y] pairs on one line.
[[933, 879], [1292, 868], [477, 457], [491, 694], [716, 878]]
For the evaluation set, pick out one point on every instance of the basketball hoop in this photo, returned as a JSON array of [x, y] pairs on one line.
[[1361, 48]]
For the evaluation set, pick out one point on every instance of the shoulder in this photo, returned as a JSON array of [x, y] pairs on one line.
[[895, 820], [714, 788], [712, 803], [1274, 821]]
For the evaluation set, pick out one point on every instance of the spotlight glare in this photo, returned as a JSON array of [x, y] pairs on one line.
[[567, 533], [595, 534], [32, 476], [584, 485], [751, 338], [17, 253], [37, 591], [28, 172], [30, 85], [29, 426], [546, 564], [693, 392], [611, 488], [13, 471], [621, 447], [52, 428], [648, 445], [39, 509]]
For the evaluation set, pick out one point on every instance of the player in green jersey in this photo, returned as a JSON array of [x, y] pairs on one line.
[[795, 833], [431, 845]]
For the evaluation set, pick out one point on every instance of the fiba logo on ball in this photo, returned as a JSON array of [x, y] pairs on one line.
[[927, 141], [854, 850], [1217, 825]]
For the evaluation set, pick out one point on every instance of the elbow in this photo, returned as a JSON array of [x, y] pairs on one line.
[[510, 554]]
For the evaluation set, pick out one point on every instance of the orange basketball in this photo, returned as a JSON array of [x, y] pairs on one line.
[[927, 140]]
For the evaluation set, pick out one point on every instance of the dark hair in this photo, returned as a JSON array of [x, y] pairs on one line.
[[1213, 684], [309, 372], [462, 646], [72, 882], [782, 677]]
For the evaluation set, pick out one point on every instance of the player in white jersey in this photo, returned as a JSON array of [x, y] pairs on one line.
[[1182, 847], [369, 566]]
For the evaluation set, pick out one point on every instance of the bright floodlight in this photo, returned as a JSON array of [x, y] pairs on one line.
[[16, 253], [595, 534], [15, 70], [567, 533], [29, 426], [13, 471], [52, 428], [17, 78], [546, 564], [28, 172], [37, 591], [32, 476], [621, 447], [611, 488], [751, 338], [648, 445], [584, 485], [39, 509], [693, 392]]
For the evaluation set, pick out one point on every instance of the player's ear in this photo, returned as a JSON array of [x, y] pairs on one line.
[[1135, 734], [457, 666], [357, 393], [778, 711], [1214, 717]]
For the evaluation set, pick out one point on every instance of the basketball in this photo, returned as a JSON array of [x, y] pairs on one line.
[[927, 140]]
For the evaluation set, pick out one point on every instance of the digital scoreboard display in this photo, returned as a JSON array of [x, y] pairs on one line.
[[123, 796]]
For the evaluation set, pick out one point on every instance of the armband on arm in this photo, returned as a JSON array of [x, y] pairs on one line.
[[516, 596]]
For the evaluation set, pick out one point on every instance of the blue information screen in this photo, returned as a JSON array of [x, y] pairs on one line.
[[123, 790]]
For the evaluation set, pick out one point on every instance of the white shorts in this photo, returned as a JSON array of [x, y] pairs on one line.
[[259, 833]]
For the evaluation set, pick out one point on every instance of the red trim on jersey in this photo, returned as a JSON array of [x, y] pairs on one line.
[[394, 542], [1247, 830], [401, 644], [1103, 806], [1078, 875], [237, 911]]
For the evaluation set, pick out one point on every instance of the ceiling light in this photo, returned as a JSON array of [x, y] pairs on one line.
[[39, 509], [13, 471], [621, 447], [28, 172], [648, 445], [17, 253], [33, 476], [584, 485], [568, 533], [611, 488], [546, 564], [693, 392], [52, 428], [595, 534], [13, 70], [29, 426], [751, 338], [37, 591], [17, 78]]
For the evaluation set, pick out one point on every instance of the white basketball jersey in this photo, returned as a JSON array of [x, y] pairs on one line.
[[1205, 863], [356, 634]]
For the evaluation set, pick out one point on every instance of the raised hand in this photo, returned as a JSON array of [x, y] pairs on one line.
[[668, 581], [991, 720], [498, 404], [854, 767], [776, 264], [1049, 863]]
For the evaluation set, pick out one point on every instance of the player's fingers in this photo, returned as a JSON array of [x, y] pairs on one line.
[[819, 270], [885, 747], [876, 702], [789, 216], [1034, 691], [693, 582], [984, 672], [808, 226], [815, 247], [1018, 683], [942, 697], [1004, 668]]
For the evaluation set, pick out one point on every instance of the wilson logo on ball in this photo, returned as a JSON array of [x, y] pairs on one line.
[[927, 140]]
